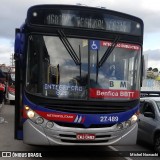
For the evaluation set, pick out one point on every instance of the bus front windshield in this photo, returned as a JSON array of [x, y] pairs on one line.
[[75, 68]]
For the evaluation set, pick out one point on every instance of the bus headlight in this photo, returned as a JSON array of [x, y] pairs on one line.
[[33, 115], [134, 118], [128, 123], [131, 121], [30, 114]]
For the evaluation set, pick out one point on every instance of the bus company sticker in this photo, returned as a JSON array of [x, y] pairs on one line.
[[61, 117], [108, 93], [121, 45], [65, 117]]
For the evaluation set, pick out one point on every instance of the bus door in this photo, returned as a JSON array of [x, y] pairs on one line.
[[18, 134]]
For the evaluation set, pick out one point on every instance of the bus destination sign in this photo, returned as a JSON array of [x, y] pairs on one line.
[[88, 22], [91, 22], [84, 19], [76, 21]]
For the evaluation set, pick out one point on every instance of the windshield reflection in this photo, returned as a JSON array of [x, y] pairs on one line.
[[63, 67]]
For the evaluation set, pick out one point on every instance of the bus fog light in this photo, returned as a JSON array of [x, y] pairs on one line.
[[39, 120], [128, 123], [30, 114], [120, 126], [49, 124]]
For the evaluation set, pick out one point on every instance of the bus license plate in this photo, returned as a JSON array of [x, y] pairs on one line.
[[85, 136]]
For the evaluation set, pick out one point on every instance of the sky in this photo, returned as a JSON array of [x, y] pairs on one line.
[[13, 14]]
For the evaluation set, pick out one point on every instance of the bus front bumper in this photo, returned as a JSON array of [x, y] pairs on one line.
[[40, 135]]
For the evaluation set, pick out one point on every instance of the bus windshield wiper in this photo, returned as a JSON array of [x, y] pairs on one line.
[[108, 52], [68, 47]]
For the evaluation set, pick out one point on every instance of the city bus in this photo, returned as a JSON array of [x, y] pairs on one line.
[[78, 76]]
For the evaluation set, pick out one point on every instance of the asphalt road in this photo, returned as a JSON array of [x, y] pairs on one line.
[[10, 145]]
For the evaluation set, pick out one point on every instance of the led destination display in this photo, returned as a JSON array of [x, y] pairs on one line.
[[83, 19]]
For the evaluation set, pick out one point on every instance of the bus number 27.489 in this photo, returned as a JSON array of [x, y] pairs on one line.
[[109, 119]]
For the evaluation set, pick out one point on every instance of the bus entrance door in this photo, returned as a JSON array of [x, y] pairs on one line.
[[18, 133]]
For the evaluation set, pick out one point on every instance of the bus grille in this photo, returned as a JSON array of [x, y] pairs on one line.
[[88, 109], [71, 138], [76, 125]]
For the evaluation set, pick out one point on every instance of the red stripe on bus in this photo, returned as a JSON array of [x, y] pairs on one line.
[[64, 117]]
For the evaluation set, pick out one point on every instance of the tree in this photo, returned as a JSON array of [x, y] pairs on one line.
[[155, 70], [149, 69]]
